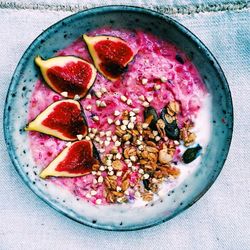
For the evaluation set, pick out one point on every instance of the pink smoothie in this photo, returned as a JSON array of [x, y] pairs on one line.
[[170, 75]]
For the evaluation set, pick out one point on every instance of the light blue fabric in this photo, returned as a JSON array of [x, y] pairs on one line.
[[220, 220]]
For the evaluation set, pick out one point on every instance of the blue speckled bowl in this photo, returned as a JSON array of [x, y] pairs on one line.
[[62, 34]]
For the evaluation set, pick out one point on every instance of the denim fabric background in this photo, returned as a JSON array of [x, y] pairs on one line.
[[220, 220]]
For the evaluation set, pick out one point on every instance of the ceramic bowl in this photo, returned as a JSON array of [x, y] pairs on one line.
[[62, 34]]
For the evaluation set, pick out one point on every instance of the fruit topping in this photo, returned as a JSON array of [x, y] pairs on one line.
[[63, 119], [69, 76], [111, 55], [75, 160]]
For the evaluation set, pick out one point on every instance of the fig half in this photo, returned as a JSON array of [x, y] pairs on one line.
[[75, 160], [69, 76], [110, 54], [63, 119]]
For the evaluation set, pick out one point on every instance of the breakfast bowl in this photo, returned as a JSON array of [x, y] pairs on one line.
[[168, 77]]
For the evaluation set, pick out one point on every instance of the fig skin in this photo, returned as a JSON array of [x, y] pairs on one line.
[[58, 167], [37, 123], [62, 61], [114, 69]]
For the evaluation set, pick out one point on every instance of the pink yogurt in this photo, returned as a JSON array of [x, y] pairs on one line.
[[155, 60]]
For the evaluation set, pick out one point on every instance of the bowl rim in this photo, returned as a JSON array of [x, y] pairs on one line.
[[107, 9]]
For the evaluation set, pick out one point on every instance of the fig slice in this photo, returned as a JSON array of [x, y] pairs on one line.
[[75, 160], [63, 119], [69, 76], [110, 54]]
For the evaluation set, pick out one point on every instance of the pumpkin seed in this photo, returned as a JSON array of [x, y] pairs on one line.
[[191, 154]]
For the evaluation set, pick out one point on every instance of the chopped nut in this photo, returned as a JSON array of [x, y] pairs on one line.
[[118, 156], [150, 143], [163, 79], [147, 196], [123, 127], [110, 121], [98, 201], [157, 86], [141, 171], [88, 96], [117, 165], [173, 108], [103, 104], [132, 119], [164, 157], [94, 130], [155, 133], [126, 137], [119, 173], [117, 122], [102, 150], [100, 179], [145, 104], [93, 192], [144, 81], [152, 157], [117, 113], [141, 98], [125, 184], [136, 110], [98, 94], [114, 150], [97, 139], [168, 170], [114, 138], [111, 173], [131, 125], [125, 122], [95, 118], [144, 154], [123, 98], [157, 138], [117, 193], [79, 137], [102, 168], [108, 133], [117, 143], [110, 168], [160, 124], [130, 151], [77, 97], [129, 101], [88, 107], [152, 149], [150, 98], [98, 103], [131, 113], [133, 158], [103, 90], [64, 94], [120, 132]]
